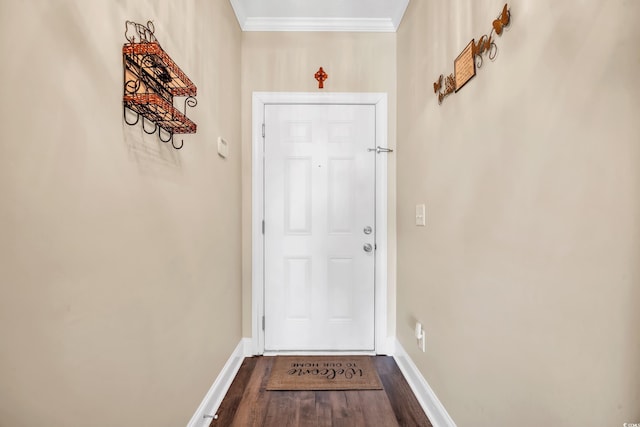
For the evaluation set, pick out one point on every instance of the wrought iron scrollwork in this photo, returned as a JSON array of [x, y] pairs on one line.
[[189, 101], [486, 44], [144, 33]]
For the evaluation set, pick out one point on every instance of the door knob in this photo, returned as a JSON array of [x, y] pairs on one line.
[[367, 247]]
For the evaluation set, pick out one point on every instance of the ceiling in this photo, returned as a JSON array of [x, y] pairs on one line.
[[319, 15]]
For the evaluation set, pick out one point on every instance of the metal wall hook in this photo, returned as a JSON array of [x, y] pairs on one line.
[[170, 139], [124, 114], [155, 127], [379, 150], [174, 145], [160, 136]]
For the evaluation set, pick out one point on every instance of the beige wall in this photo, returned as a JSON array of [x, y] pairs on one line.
[[527, 275], [120, 261], [120, 266], [287, 62]]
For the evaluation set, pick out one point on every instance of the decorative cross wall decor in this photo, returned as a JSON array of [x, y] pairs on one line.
[[321, 76]]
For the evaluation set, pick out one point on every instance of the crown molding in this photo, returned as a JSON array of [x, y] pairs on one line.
[[319, 24], [399, 13], [305, 24], [238, 9]]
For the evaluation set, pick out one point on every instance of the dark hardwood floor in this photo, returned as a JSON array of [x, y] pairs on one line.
[[248, 404]]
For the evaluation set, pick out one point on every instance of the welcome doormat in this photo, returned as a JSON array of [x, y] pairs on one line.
[[323, 373]]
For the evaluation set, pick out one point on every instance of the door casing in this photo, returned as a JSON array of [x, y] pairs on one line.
[[260, 99]]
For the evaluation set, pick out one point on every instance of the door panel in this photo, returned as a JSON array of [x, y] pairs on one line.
[[297, 194], [341, 195], [319, 196]]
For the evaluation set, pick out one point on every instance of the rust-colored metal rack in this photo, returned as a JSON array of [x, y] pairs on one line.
[[151, 80]]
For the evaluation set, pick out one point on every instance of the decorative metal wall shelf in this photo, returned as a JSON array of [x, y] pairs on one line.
[[151, 80]]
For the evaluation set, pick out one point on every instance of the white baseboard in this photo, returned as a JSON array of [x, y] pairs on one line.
[[436, 413], [247, 347], [391, 346], [218, 390]]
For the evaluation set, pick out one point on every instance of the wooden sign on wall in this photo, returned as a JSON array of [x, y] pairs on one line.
[[471, 58], [464, 66]]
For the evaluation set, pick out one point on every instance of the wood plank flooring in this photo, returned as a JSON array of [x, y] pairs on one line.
[[248, 404]]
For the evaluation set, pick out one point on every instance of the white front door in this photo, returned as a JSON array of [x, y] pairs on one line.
[[319, 239]]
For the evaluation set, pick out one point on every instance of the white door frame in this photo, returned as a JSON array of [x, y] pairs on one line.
[[260, 99]]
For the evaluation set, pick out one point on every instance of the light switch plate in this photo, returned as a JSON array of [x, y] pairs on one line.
[[223, 148], [421, 219]]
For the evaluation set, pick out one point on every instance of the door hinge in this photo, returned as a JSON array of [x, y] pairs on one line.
[[263, 323], [263, 130], [263, 226]]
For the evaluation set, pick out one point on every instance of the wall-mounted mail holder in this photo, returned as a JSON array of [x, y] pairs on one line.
[[151, 80]]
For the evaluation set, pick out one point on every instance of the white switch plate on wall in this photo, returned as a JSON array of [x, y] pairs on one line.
[[421, 219], [223, 148], [421, 336]]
